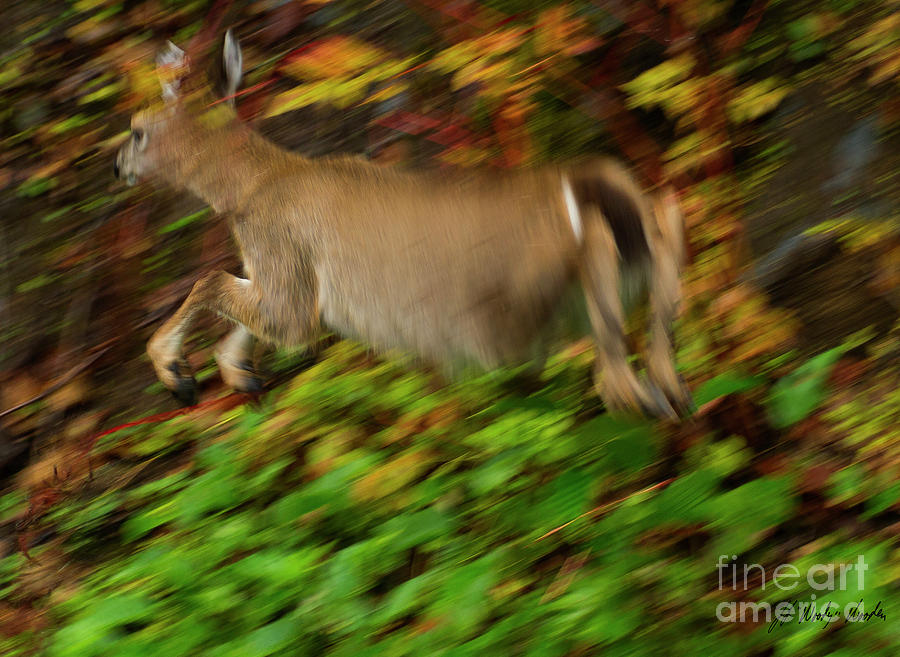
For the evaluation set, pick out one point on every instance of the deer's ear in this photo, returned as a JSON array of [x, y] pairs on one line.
[[233, 61], [171, 67]]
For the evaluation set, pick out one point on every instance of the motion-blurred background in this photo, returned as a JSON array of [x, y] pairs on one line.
[[360, 508]]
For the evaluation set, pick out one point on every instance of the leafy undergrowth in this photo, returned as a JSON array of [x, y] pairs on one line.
[[362, 510]]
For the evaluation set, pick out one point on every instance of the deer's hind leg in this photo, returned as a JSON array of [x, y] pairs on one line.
[[290, 318], [617, 381]]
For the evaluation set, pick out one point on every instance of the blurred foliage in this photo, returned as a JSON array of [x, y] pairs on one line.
[[362, 509]]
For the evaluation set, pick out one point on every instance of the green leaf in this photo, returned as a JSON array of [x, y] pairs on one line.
[[186, 220], [725, 384], [463, 600], [882, 500], [564, 498], [799, 393], [686, 500], [722, 457], [71, 123], [847, 482], [34, 187], [413, 529], [497, 471], [406, 597], [633, 445], [269, 639], [140, 523], [208, 492], [741, 517]]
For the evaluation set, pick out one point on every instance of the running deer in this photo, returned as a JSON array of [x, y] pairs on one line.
[[469, 265]]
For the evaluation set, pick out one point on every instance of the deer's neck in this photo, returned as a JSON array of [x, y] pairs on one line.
[[226, 165]]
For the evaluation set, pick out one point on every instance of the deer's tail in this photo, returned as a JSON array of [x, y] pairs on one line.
[[605, 191]]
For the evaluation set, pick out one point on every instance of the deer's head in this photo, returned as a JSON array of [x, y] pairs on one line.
[[165, 137]]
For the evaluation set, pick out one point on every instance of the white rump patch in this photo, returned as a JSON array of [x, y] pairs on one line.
[[573, 210]]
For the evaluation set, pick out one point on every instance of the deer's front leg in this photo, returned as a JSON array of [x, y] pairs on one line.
[[234, 356], [218, 291], [282, 310]]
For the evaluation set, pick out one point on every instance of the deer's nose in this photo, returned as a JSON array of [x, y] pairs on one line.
[[116, 168]]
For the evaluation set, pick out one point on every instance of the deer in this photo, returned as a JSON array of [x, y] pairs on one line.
[[444, 265]]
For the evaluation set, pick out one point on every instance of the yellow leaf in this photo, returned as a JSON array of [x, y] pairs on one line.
[[886, 70], [143, 80], [392, 476], [754, 100], [393, 89], [337, 56], [301, 96]]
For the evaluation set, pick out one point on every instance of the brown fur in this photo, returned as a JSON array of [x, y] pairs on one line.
[[467, 265]]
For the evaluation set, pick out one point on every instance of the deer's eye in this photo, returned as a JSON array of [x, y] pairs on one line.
[[138, 135]]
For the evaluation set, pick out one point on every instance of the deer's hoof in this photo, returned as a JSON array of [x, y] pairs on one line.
[[184, 387], [239, 374], [657, 405], [684, 402], [249, 381], [680, 398], [638, 400]]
